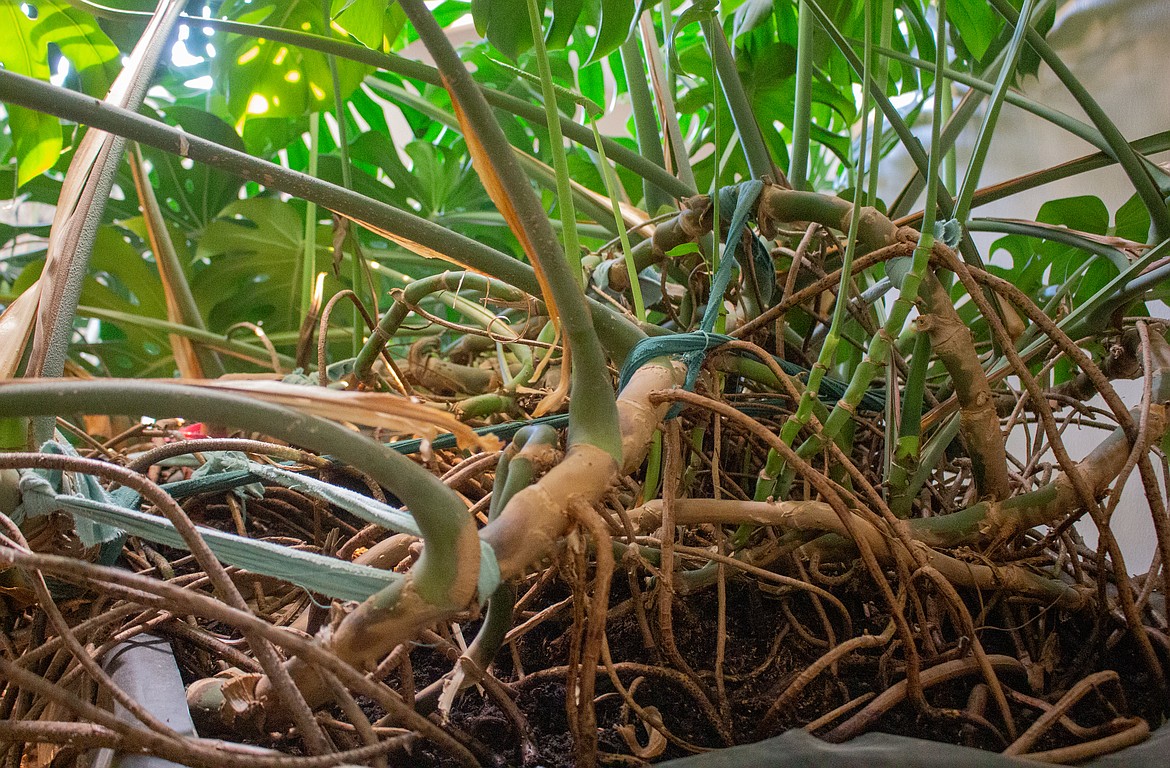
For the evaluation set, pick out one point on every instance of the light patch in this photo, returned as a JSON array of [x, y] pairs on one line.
[[203, 83], [318, 94], [292, 76], [306, 26], [280, 56], [181, 57], [249, 54], [257, 105]]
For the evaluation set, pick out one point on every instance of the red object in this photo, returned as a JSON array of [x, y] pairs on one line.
[[193, 431]]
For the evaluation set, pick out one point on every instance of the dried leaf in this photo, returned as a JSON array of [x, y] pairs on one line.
[[369, 409], [16, 324]]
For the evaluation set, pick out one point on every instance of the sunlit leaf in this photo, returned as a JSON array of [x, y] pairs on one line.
[[266, 78], [36, 138]]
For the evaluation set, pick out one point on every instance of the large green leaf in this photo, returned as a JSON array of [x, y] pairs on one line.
[[192, 194], [975, 23], [27, 30], [91, 52], [371, 22], [607, 23], [270, 79], [248, 264], [36, 138]]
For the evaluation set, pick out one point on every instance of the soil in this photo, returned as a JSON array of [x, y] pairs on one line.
[[769, 639]]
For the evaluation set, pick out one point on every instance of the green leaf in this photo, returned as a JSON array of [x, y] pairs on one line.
[[616, 24], [1085, 213], [91, 52], [749, 16], [1132, 220], [504, 24], [121, 279], [565, 15], [249, 257], [36, 138], [192, 194], [976, 24], [366, 20], [270, 79]]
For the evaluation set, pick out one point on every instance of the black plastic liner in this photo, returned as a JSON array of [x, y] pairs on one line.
[[797, 749]]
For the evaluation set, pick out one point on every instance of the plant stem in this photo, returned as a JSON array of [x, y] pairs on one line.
[[83, 201], [440, 513], [802, 117], [759, 160], [427, 74], [645, 124], [1121, 149], [569, 240], [774, 465], [308, 268], [987, 129], [592, 412], [612, 189]]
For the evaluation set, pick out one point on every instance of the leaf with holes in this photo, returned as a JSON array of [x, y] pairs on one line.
[[246, 264], [266, 78]]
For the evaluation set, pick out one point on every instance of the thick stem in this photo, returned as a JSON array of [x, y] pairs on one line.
[[645, 124], [592, 414]]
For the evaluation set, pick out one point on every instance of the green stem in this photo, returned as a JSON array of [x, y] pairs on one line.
[[909, 436], [664, 87], [912, 145], [50, 347], [170, 267], [440, 513], [593, 415], [987, 130], [242, 350], [880, 77], [418, 71], [539, 171], [569, 240], [355, 274], [645, 123], [750, 137], [447, 285], [1056, 234], [802, 117], [308, 266], [1147, 145], [774, 465], [908, 283], [612, 189]]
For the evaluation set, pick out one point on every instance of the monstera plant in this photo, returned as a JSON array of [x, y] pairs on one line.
[[570, 396]]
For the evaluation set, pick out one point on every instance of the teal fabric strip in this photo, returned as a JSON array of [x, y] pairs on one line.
[[317, 573], [365, 508]]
